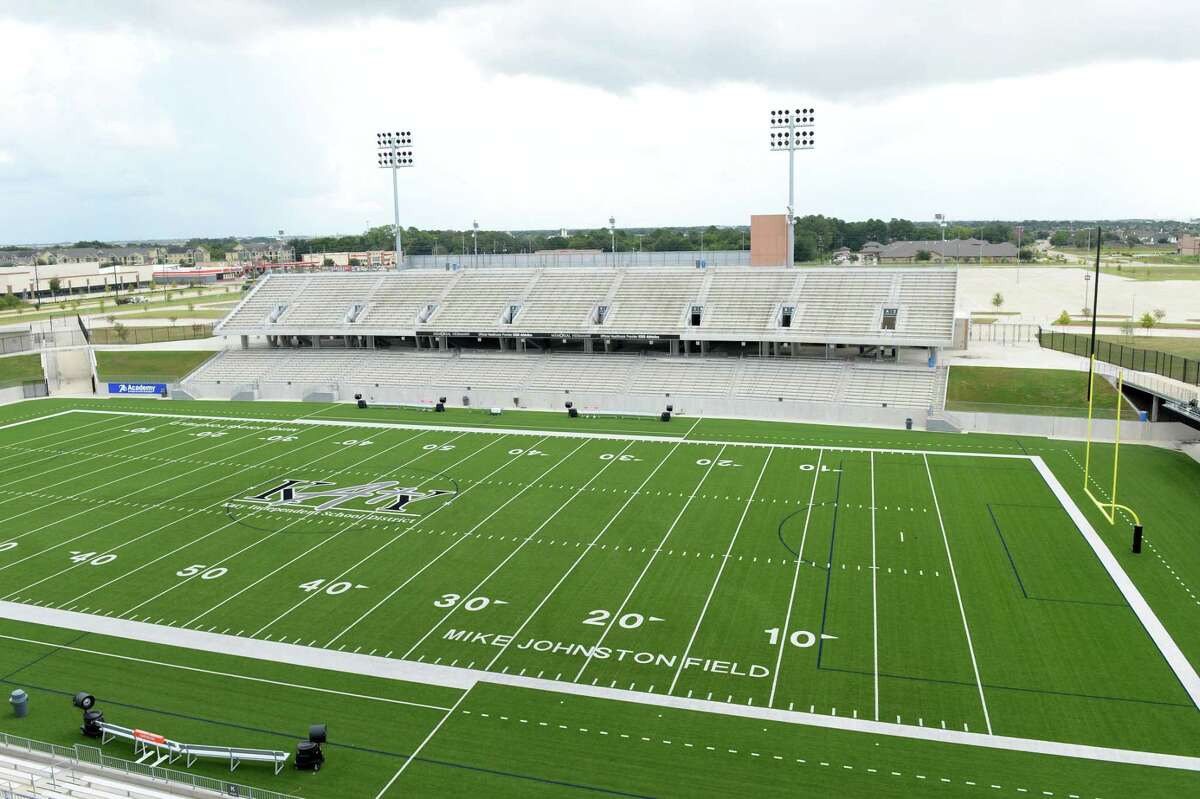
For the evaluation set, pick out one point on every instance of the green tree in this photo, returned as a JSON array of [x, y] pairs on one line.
[[997, 300], [1064, 318], [54, 285], [1160, 314], [1148, 321], [924, 255], [1061, 238]]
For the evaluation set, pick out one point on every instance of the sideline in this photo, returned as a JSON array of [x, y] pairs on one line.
[[457, 677], [512, 431], [1158, 633]]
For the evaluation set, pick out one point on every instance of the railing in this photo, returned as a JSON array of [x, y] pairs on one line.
[[1004, 333], [1176, 367], [71, 757], [682, 258]]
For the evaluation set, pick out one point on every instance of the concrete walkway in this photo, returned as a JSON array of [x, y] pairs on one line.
[[454, 677]]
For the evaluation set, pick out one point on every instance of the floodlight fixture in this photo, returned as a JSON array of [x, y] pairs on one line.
[[792, 129], [612, 229], [394, 151]]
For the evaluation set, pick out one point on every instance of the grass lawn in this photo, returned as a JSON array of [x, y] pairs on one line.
[[91, 306], [1156, 272], [147, 334], [1050, 392], [916, 581], [1186, 346], [141, 365], [20, 368]]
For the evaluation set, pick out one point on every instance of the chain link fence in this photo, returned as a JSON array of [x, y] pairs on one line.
[[136, 334], [1176, 367], [1003, 333], [487, 260]]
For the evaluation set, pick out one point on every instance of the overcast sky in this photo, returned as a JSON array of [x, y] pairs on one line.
[[136, 119]]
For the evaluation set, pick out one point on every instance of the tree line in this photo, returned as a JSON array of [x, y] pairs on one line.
[[816, 237]]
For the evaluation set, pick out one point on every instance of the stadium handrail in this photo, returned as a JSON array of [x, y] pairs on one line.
[[82, 756]]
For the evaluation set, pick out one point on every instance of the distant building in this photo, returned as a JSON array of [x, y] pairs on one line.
[[179, 254], [369, 259], [124, 256], [869, 253], [842, 255], [1188, 245], [260, 251], [18, 257], [953, 250]]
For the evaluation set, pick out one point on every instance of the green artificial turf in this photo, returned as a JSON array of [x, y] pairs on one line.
[[924, 585], [1046, 392]]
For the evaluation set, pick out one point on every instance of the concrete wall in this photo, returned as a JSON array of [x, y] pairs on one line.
[[585, 401], [1070, 427], [768, 240]]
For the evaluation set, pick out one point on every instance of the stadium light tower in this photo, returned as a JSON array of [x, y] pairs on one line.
[[395, 152], [791, 130], [612, 230]]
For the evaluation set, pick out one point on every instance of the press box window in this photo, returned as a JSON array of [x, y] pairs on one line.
[[889, 319]]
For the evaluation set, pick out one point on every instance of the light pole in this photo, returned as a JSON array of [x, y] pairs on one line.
[[612, 230], [395, 152], [475, 242], [785, 138], [1087, 276]]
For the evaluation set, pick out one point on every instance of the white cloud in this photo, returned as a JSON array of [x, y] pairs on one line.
[[133, 124]]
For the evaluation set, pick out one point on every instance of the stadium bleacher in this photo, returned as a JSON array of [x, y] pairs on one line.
[[831, 305], [832, 381]]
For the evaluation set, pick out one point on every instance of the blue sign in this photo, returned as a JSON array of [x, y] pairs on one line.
[[144, 389]]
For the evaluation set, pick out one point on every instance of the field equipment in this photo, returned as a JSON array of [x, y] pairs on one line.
[[93, 724], [362, 403], [83, 700], [309, 756]]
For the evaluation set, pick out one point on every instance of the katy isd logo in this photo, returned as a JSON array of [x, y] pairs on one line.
[[385, 496]]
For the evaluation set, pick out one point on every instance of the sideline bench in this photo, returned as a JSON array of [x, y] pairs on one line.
[[150, 746]]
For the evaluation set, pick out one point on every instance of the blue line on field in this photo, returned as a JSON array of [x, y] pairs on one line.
[[837, 500], [1021, 583]]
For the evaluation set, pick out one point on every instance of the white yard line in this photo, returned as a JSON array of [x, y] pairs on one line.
[[213, 673], [391, 541], [66, 431], [338, 534], [135, 513], [417, 751], [237, 521], [457, 540], [720, 570], [69, 463], [958, 594], [1175, 658], [649, 562], [874, 593], [785, 631], [693, 427], [471, 594], [632, 496], [457, 677]]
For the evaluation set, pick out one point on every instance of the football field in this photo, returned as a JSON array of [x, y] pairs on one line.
[[922, 588]]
